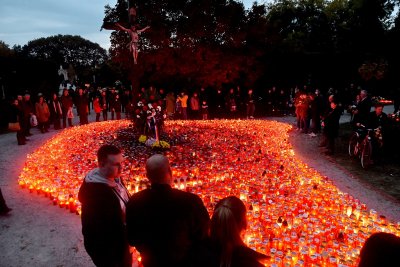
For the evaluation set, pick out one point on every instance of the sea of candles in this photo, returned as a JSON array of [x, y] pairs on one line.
[[296, 216]]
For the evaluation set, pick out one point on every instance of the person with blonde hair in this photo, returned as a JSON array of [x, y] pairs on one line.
[[225, 246]]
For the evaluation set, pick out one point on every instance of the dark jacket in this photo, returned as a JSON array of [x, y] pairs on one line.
[[164, 224], [103, 226], [115, 104], [331, 122], [219, 100], [15, 114], [82, 104], [374, 121], [364, 108], [207, 254], [103, 102], [250, 99], [55, 109], [231, 102], [66, 103], [27, 107], [317, 107]]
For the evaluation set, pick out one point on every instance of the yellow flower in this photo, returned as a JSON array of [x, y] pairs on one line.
[[161, 144], [164, 144], [142, 139]]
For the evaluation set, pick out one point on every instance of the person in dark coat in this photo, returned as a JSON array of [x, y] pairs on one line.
[[316, 108], [16, 114], [225, 246], [219, 105], [195, 106], [126, 101], [272, 101], [4, 209], [55, 111], [250, 104], [29, 109], [378, 119], [104, 104], [363, 109], [82, 106], [111, 97], [282, 102], [331, 127], [163, 223], [66, 106], [231, 103], [115, 105], [103, 197]]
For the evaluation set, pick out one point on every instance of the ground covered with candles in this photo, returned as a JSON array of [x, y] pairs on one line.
[[296, 215]]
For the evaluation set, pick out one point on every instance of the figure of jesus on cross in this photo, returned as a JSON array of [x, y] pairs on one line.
[[134, 34]]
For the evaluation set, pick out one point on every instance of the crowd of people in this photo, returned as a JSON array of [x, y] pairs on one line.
[[60, 110], [202, 104], [311, 108], [169, 227], [316, 113], [109, 103]]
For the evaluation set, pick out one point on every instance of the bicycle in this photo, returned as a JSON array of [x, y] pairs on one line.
[[360, 144]]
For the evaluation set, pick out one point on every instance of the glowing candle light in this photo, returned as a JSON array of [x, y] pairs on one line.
[[295, 215]]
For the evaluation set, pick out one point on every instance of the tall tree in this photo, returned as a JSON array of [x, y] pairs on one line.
[[217, 42], [5, 50], [369, 21], [62, 49], [196, 42], [84, 55]]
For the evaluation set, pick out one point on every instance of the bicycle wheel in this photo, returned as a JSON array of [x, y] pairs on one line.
[[352, 145], [366, 154]]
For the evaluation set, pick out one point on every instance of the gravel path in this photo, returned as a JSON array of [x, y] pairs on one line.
[[35, 233], [307, 150], [39, 234]]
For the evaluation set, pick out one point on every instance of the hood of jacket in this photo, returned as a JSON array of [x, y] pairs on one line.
[[94, 176]]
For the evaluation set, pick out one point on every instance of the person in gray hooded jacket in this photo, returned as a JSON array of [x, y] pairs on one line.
[[103, 197]]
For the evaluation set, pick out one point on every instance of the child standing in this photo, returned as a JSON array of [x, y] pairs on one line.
[[204, 110]]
